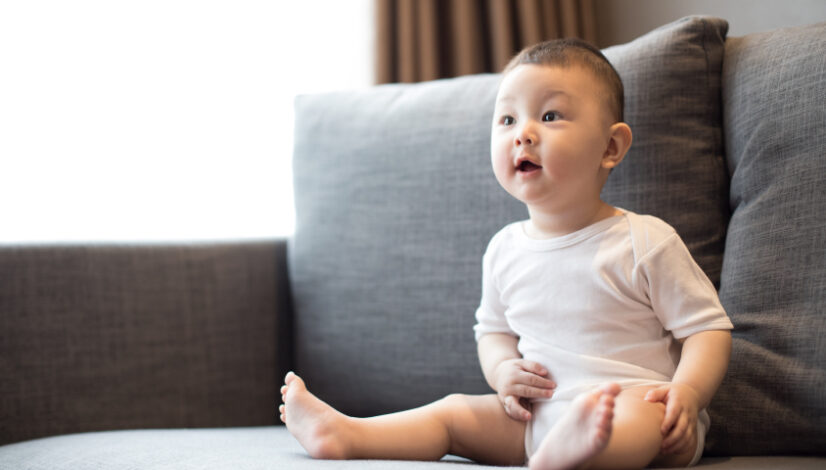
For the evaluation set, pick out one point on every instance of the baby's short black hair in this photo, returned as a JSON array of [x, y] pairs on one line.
[[571, 51]]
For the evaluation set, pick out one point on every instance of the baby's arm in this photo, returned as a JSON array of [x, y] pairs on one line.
[[512, 377], [703, 365]]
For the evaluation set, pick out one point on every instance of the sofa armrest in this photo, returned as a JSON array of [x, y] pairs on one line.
[[112, 336]]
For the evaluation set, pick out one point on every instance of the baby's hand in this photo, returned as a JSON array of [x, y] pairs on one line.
[[680, 423], [517, 381]]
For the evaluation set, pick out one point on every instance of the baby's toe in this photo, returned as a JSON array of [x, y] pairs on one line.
[[612, 389]]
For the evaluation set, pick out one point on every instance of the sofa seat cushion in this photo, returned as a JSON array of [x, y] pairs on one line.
[[255, 448], [243, 448], [774, 275], [396, 202], [237, 448]]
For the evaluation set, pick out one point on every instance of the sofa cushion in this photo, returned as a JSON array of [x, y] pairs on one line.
[[243, 448], [675, 168], [253, 448], [98, 336], [774, 275], [396, 202]]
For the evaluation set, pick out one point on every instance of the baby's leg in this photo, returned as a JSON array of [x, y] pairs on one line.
[[475, 427], [637, 441], [583, 432], [633, 438]]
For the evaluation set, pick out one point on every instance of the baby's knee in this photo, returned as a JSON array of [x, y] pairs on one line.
[[471, 401], [455, 398], [456, 402], [457, 405], [632, 402]]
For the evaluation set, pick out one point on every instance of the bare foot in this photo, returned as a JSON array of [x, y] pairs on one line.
[[580, 434], [319, 428]]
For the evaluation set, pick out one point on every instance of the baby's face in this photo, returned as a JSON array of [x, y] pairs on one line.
[[550, 132]]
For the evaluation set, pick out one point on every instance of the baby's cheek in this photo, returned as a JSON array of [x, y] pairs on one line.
[[502, 167]]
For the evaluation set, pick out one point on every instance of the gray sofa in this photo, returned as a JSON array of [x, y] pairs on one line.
[[161, 356]]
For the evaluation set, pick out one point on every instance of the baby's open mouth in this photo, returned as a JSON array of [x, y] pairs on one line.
[[525, 165]]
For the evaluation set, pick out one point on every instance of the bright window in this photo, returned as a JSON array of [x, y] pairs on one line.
[[162, 120]]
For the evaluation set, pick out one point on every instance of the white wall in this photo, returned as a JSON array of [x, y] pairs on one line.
[[619, 21]]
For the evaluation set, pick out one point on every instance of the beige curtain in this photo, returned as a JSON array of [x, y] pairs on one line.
[[420, 40]]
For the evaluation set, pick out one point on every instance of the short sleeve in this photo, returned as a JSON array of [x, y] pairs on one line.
[[681, 295], [490, 316]]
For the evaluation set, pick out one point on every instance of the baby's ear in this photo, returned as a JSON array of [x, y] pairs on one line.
[[618, 145]]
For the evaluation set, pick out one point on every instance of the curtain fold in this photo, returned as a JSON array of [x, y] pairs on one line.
[[418, 40]]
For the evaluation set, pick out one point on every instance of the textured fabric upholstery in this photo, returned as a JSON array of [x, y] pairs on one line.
[[675, 168], [96, 337], [256, 448], [396, 202], [774, 275]]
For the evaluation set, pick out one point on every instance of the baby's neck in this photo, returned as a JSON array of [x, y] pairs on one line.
[[544, 225]]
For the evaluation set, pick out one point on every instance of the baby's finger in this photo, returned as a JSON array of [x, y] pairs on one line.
[[534, 380], [526, 391], [678, 432], [535, 367], [515, 409], [689, 443], [656, 395], [529, 386], [673, 410], [683, 446], [680, 447]]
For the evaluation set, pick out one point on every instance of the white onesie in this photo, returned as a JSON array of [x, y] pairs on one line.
[[603, 304]]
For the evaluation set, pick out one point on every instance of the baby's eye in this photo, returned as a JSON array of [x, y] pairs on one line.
[[508, 120], [550, 116]]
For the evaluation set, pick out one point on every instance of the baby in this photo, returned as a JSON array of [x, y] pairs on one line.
[[603, 339]]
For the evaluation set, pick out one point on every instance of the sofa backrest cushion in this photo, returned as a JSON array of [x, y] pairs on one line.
[[774, 275], [396, 202], [104, 336], [676, 168]]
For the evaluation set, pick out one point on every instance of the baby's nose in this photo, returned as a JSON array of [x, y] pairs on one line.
[[525, 138]]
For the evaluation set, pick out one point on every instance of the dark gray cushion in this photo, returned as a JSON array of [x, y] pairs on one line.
[[396, 203], [111, 336], [774, 275], [675, 168]]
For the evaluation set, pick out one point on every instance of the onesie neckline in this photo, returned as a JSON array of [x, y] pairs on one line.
[[548, 244]]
